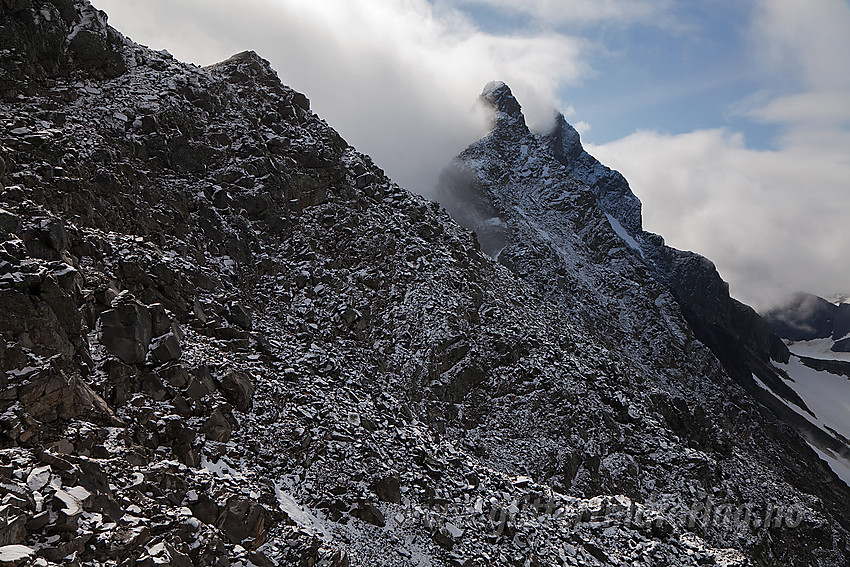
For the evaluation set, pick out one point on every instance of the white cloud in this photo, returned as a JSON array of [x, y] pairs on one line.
[[807, 40], [773, 221], [815, 107], [397, 78], [582, 12], [582, 127]]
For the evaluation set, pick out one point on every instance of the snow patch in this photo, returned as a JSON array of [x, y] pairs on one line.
[[622, 233], [817, 348], [826, 394], [298, 514]]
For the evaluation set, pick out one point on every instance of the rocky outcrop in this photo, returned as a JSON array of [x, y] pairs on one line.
[[45, 40]]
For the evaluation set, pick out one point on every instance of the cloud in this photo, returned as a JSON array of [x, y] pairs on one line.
[[816, 107], [807, 41], [582, 12], [773, 221], [397, 78]]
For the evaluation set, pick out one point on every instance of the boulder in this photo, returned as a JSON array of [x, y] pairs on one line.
[[370, 514], [54, 395], [205, 509], [217, 427], [242, 521], [238, 389], [45, 239], [388, 489], [165, 349], [126, 330], [239, 315]]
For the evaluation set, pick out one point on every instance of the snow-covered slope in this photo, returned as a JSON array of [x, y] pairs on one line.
[[816, 332]]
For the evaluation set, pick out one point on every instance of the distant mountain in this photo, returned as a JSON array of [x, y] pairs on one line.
[[806, 317], [229, 339]]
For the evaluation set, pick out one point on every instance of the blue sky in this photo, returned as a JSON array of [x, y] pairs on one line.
[[729, 118], [690, 71]]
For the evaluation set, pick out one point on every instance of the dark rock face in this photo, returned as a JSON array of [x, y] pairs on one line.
[[126, 329], [43, 40], [608, 186], [506, 108], [229, 338], [841, 322]]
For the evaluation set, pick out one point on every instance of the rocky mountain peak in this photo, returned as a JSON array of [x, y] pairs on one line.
[[506, 109], [564, 140], [245, 67]]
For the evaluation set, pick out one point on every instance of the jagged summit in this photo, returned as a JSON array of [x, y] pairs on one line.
[[506, 109], [565, 141], [608, 186]]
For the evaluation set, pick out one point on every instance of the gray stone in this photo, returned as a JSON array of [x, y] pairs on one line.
[[242, 519], [238, 389], [217, 427], [166, 349], [370, 514], [38, 478], [239, 315], [126, 330]]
